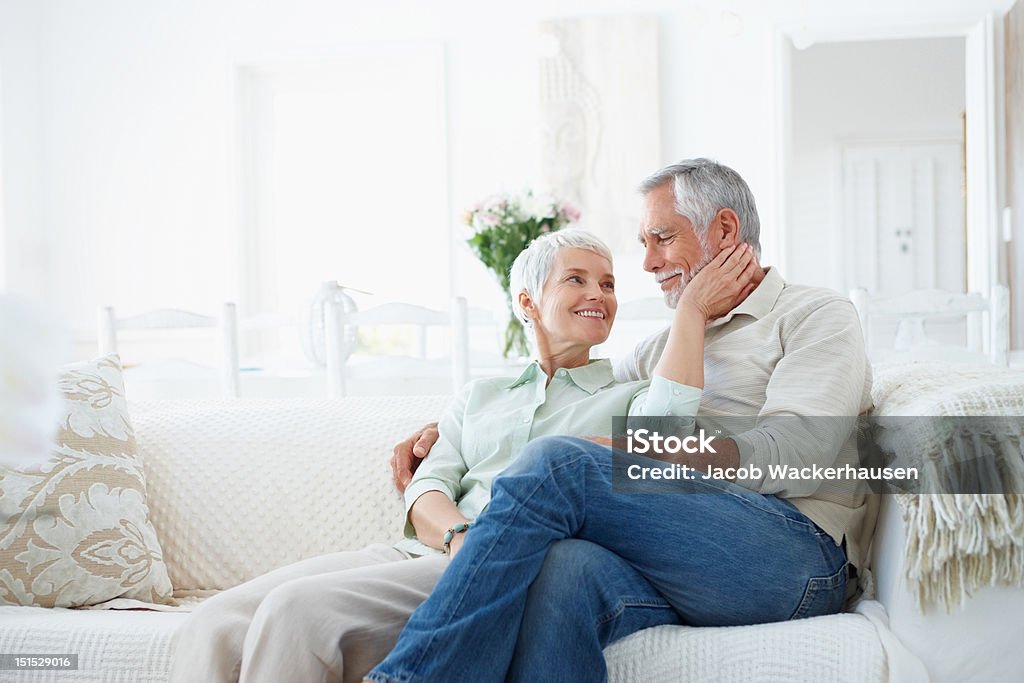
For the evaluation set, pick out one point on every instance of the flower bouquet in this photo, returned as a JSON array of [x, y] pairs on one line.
[[503, 225]]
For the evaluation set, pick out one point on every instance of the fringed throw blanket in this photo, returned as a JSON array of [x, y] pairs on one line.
[[958, 543]]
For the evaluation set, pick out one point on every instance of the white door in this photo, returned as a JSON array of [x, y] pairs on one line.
[[903, 216]]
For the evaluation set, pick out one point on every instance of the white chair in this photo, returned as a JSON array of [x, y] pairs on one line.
[[284, 354], [110, 326], [341, 368], [936, 325], [272, 363]]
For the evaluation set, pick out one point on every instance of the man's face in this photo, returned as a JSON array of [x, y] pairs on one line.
[[673, 252]]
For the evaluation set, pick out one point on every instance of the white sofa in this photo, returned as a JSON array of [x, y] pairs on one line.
[[237, 488]]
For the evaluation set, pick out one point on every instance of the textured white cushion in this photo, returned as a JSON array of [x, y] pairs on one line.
[[123, 646], [238, 488], [842, 647], [135, 646]]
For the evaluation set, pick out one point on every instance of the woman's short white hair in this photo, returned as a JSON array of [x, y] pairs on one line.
[[532, 267]]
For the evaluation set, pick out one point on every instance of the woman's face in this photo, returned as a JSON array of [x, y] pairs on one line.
[[577, 304]]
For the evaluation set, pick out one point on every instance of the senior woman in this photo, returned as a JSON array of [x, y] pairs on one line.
[[334, 617]]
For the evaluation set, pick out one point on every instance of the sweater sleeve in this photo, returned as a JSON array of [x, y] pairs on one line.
[[812, 400], [444, 467]]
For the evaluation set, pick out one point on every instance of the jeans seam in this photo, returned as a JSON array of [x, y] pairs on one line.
[[815, 585], [624, 604]]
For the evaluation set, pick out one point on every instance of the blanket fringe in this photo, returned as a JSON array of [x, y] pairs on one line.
[[959, 543]]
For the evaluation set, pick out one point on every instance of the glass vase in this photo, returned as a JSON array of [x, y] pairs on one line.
[[516, 343]]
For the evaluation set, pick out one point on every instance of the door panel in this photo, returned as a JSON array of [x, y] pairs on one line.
[[903, 210]]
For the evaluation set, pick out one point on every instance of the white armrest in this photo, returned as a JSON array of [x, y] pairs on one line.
[[980, 641]]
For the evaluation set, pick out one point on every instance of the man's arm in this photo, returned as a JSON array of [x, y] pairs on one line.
[[812, 399], [407, 455]]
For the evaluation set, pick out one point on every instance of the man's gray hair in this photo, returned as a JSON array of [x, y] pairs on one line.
[[704, 187], [532, 267]]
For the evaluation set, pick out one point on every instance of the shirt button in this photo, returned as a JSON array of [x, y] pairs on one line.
[[525, 420], [675, 392]]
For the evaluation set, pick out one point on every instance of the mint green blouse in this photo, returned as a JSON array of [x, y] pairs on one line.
[[490, 421]]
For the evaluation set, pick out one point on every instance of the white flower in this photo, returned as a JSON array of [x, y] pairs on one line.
[[538, 206]]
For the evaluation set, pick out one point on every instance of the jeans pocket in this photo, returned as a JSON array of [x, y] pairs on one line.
[[823, 595]]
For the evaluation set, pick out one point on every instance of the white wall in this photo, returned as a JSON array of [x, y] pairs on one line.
[[882, 90], [718, 89], [118, 124], [131, 127], [22, 231]]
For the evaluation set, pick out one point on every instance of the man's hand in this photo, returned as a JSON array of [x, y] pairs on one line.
[[602, 440], [407, 455], [721, 285]]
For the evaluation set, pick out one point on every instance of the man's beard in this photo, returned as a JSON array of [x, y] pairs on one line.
[[673, 295]]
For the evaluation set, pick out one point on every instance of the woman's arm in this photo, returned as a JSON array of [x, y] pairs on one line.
[[431, 494], [677, 385], [682, 361], [432, 515], [714, 291]]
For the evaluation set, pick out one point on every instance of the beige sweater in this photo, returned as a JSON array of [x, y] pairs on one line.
[[786, 352]]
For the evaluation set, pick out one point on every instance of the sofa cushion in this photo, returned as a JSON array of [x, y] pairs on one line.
[[136, 647], [241, 487], [76, 531], [840, 647], [112, 645]]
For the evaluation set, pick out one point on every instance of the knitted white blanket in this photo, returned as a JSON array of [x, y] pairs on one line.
[[957, 543]]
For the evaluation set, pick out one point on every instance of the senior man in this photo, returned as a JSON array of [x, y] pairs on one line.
[[785, 350]]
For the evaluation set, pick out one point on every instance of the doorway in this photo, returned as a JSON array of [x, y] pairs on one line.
[[875, 178], [903, 216]]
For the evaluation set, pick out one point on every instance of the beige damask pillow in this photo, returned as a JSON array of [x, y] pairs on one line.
[[76, 531]]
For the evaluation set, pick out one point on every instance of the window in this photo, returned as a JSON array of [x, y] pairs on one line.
[[344, 178]]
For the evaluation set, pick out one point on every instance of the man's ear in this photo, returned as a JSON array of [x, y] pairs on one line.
[[527, 304], [725, 229]]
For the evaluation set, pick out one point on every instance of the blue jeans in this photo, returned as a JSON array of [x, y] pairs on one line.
[[702, 552]]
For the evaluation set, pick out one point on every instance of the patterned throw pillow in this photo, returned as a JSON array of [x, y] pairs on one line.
[[76, 530]]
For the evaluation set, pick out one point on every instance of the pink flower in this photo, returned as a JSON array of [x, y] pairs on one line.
[[569, 212]]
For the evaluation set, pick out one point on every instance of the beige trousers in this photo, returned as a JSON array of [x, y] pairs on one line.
[[328, 618]]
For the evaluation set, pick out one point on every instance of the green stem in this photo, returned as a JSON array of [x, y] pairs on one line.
[[516, 343]]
